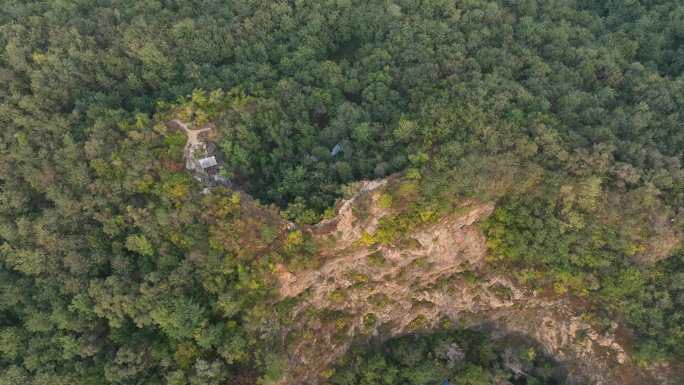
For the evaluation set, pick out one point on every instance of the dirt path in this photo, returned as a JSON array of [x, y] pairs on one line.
[[193, 135]]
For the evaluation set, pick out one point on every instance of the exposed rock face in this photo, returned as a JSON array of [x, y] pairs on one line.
[[345, 230], [439, 274]]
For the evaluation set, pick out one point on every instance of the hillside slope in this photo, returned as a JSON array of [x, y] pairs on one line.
[[437, 274]]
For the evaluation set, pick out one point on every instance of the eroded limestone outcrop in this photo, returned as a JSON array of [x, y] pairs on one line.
[[438, 274]]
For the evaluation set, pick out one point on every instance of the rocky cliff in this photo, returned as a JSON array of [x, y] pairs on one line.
[[437, 274]]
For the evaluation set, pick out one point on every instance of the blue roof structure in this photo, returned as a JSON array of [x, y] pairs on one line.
[[336, 150]]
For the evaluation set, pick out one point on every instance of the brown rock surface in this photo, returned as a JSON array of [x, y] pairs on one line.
[[440, 274]]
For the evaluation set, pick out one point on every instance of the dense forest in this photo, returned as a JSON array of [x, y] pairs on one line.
[[115, 269], [459, 357]]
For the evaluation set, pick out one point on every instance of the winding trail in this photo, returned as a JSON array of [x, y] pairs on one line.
[[193, 135]]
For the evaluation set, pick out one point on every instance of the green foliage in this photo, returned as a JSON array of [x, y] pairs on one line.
[[299, 248], [294, 241], [530, 235], [370, 320], [392, 228], [460, 356], [114, 269], [268, 233], [418, 323], [385, 201], [139, 244], [338, 296], [531, 232], [275, 366], [180, 319], [652, 302]]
